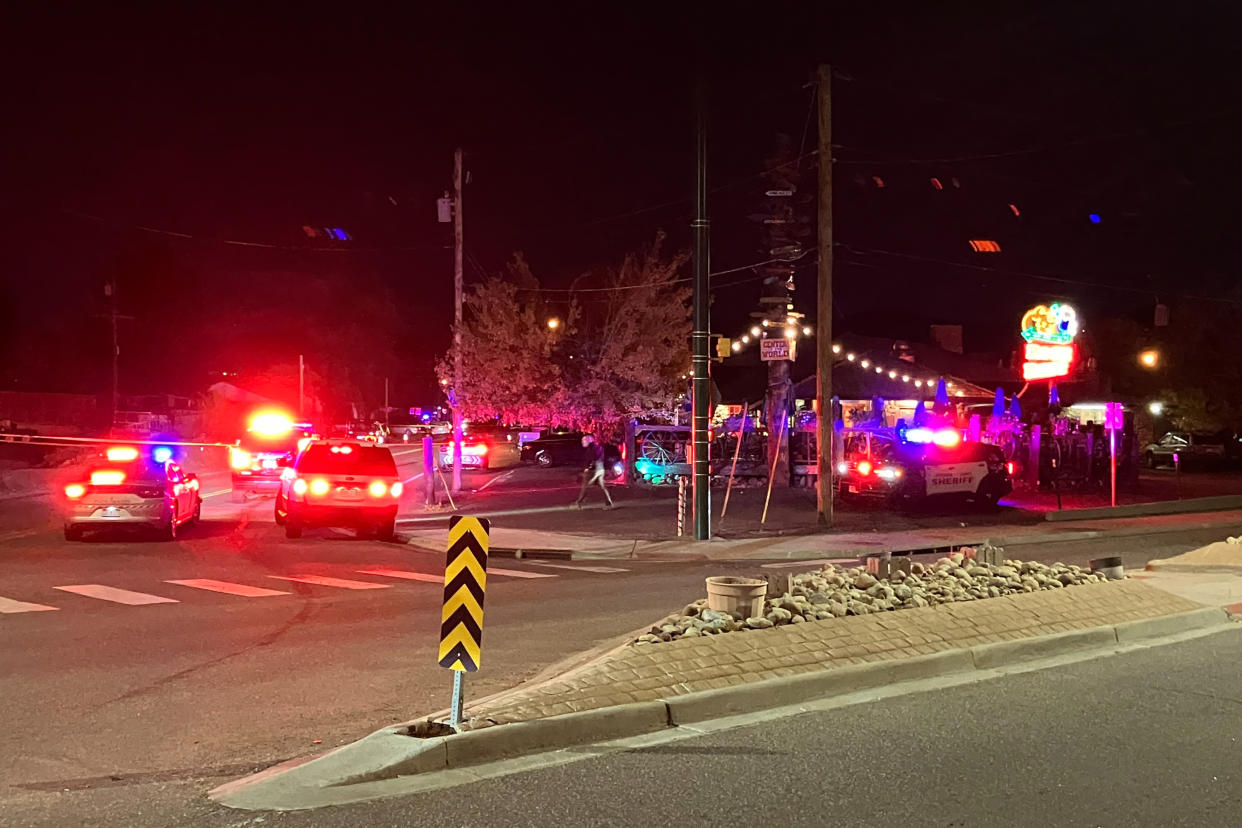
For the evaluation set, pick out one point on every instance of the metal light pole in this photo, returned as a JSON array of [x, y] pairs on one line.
[[700, 334], [823, 322], [457, 300]]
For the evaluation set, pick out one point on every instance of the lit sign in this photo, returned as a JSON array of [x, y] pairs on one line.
[[773, 349], [1049, 331]]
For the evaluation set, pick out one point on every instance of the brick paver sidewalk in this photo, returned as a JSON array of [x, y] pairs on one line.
[[688, 665]]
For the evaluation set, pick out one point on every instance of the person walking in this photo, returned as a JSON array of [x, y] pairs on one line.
[[593, 462]]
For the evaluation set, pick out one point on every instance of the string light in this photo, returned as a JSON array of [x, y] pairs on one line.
[[754, 331], [879, 370], [892, 375], [850, 357], [745, 339], [737, 346], [866, 363], [807, 332], [791, 333]]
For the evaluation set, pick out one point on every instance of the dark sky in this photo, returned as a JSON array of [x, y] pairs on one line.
[[578, 121]]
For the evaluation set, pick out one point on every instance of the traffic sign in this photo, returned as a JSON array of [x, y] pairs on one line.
[[465, 583]]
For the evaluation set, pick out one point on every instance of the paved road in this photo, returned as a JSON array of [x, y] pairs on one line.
[[170, 667]]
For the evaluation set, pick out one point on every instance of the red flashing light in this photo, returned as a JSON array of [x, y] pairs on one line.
[[74, 490], [1009, 468], [984, 246], [271, 424], [107, 478], [239, 458], [474, 450], [864, 467], [946, 439], [121, 454]]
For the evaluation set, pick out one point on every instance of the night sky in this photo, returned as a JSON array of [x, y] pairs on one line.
[[142, 149]]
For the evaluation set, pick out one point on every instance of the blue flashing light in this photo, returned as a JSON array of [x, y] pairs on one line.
[[162, 454], [1095, 218], [918, 435]]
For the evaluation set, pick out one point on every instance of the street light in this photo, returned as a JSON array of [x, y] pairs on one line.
[[1149, 358], [553, 323], [1156, 408]]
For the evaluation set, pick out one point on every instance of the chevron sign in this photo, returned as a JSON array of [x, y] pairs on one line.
[[465, 582]]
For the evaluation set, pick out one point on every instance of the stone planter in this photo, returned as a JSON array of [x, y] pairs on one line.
[[727, 593]]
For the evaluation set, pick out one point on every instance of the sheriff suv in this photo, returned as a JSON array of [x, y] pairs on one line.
[[133, 488], [340, 483]]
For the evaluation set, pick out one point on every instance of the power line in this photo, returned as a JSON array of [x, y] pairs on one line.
[[738, 269]]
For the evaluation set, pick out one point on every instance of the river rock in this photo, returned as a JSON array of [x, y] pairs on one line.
[[757, 623], [864, 580], [779, 615]]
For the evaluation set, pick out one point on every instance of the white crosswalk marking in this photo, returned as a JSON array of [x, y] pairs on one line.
[[601, 569], [116, 596], [9, 605], [402, 573], [325, 580], [517, 573], [230, 588]]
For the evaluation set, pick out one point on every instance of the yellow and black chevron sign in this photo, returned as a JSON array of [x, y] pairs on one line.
[[465, 582]]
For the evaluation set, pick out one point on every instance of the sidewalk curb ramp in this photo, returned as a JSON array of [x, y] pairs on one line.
[[358, 771]]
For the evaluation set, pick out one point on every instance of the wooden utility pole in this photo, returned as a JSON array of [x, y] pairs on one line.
[[113, 318], [823, 324], [455, 399], [301, 388]]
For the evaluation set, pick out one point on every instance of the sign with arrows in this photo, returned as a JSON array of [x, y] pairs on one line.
[[465, 583]]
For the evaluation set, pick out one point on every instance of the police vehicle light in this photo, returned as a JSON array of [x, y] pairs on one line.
[[888, 474], [122, 454], [239, 458], [74, 490], [864, 467], [162, 454], [842, 468], [270, 424], [107, 478]]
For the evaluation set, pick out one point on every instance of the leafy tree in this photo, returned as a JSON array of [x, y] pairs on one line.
[[618, 351]]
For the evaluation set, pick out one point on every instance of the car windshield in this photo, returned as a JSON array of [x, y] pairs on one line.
[[322, 459], [136, 471]]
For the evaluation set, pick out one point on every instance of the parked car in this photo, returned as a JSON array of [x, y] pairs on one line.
[[1189, 449], [340, 483], [918, 464], [565, 449], [133, 487]]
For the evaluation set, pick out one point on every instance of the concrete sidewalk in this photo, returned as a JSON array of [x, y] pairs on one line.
[[829, 545]]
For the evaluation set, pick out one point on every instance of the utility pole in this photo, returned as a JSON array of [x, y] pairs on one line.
[[700, 335], [823, 342], [113, 318], [385, 400], [301, 388], [455, 398]]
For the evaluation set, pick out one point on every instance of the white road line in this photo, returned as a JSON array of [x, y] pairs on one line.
[[601, 569], [411, 479], [517, 573], [407, 451], [216, 494], [405, 574], [116, 596], [20, 533], [227, 587], [9, 605], [498, 479], [796, 564], [324, 580]]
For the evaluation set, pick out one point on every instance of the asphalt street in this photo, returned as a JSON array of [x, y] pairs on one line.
[[137, 674]]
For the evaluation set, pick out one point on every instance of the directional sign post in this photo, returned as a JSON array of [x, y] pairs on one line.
[[461, 620]]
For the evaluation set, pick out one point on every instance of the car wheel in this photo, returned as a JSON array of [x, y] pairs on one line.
[[238, 496], [387, 531], [169, 530], [279, 514], [198, 513], [1151, 460], [72, 532], [543, 459]]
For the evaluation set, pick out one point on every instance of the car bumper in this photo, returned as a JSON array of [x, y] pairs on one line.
[[154, 514], [320, 515], [468, 461]]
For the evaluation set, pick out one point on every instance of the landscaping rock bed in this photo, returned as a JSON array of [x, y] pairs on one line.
[[834, 592]]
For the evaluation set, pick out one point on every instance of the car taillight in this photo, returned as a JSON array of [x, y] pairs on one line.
[[864, 467], [1009, 468], [239, 459], [377, 488], [107, 478], [74, 490], [319, 487], [193, 484], [121, 454], [397, 488], [299, 486]]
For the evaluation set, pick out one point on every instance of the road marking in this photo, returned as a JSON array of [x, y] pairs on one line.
[[407, 451], [20, 533], [214, 494], [9, 605], [820, 562], [601, 569], [411, 479], [324, 580], [406, 574], [116, 596], [227, 587], [517, 573], [498, 479]]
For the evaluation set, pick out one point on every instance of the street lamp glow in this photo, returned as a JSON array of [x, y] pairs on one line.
[[553, 323], [1156, 408], [754, 331], [1149, 358]]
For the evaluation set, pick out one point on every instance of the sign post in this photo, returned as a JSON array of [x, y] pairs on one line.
[[1114, 421], [461, 620]]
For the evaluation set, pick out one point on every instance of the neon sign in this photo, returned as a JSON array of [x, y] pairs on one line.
[[1049, 331]]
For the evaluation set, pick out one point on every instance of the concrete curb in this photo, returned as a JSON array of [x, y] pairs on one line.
[[1219, 503], [389, 753]]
